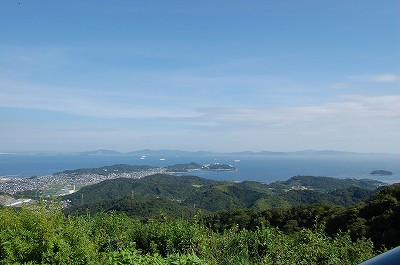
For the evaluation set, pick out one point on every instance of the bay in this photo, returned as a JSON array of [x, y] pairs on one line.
[[264, 168]]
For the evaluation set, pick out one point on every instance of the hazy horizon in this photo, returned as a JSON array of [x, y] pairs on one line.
[[195, 75], [120, 152]]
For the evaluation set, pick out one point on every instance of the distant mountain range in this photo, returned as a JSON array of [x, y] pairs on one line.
[[168, 152], [303, 152], [101, 152]]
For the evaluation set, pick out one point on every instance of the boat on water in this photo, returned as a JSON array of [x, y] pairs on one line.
[[236, 160], [162, 159]]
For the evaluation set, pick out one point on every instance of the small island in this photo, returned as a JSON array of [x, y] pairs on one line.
[[218, 167], [381, 172], [196, 167], [183, 167]]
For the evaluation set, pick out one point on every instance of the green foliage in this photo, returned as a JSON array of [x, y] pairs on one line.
[[168, 186], [271, 201], [214, 200], [343, 197], [32, 194], [378, 219], [135, 257], [287, 219], [185, 192], [290, 211], [271, 246], [217, 167], [106, 170], [327, 183], [48, 237], [39, 237], [183, 167], [141, 207]]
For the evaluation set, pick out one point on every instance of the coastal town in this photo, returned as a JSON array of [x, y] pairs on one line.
[[67, 180]]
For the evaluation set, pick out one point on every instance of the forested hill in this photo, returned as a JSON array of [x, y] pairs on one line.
[[141, 207], [377, 218], [168, 186], [124, 168], [106, 170], [326, 183], [351, 205], [211, 195]]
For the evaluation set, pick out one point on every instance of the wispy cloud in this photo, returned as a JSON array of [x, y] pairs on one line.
[[351, 120], [357, 114], [378, 78], [81, 103], [364, 123]]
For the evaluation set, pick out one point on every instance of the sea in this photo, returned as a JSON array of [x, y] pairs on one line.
[[262, 168]]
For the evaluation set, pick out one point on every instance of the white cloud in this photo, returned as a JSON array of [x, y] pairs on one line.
[[360, 123], [82, 103], [354, 122], [378, 78], [386, 78], [356, 115]]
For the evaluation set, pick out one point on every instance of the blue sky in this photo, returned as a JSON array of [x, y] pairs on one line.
[[200, 75]]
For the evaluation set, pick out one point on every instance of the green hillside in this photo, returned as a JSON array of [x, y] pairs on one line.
[[141, 207], [106, 170], [326, 183], [210, 195], [183, 167], [377, 218], [168, 186]]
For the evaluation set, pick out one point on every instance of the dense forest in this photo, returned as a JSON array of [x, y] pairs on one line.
[[377, 218], [167, 219], [106, 170], [43, 236], [365, 208], [211, 195]]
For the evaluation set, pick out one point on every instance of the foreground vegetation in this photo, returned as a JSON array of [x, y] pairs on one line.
[[343, 204], [41, 236], [377, 218], [163, 219]]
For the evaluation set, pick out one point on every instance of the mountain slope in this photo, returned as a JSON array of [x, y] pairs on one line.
[[141, 207], [211, 195], [326, 183], [168, 186]]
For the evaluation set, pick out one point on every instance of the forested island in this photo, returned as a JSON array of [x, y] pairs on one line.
[[381, 172], [123, 168], [178, 168]]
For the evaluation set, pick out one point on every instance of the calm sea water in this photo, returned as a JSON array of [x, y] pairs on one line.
[[253, 167]]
